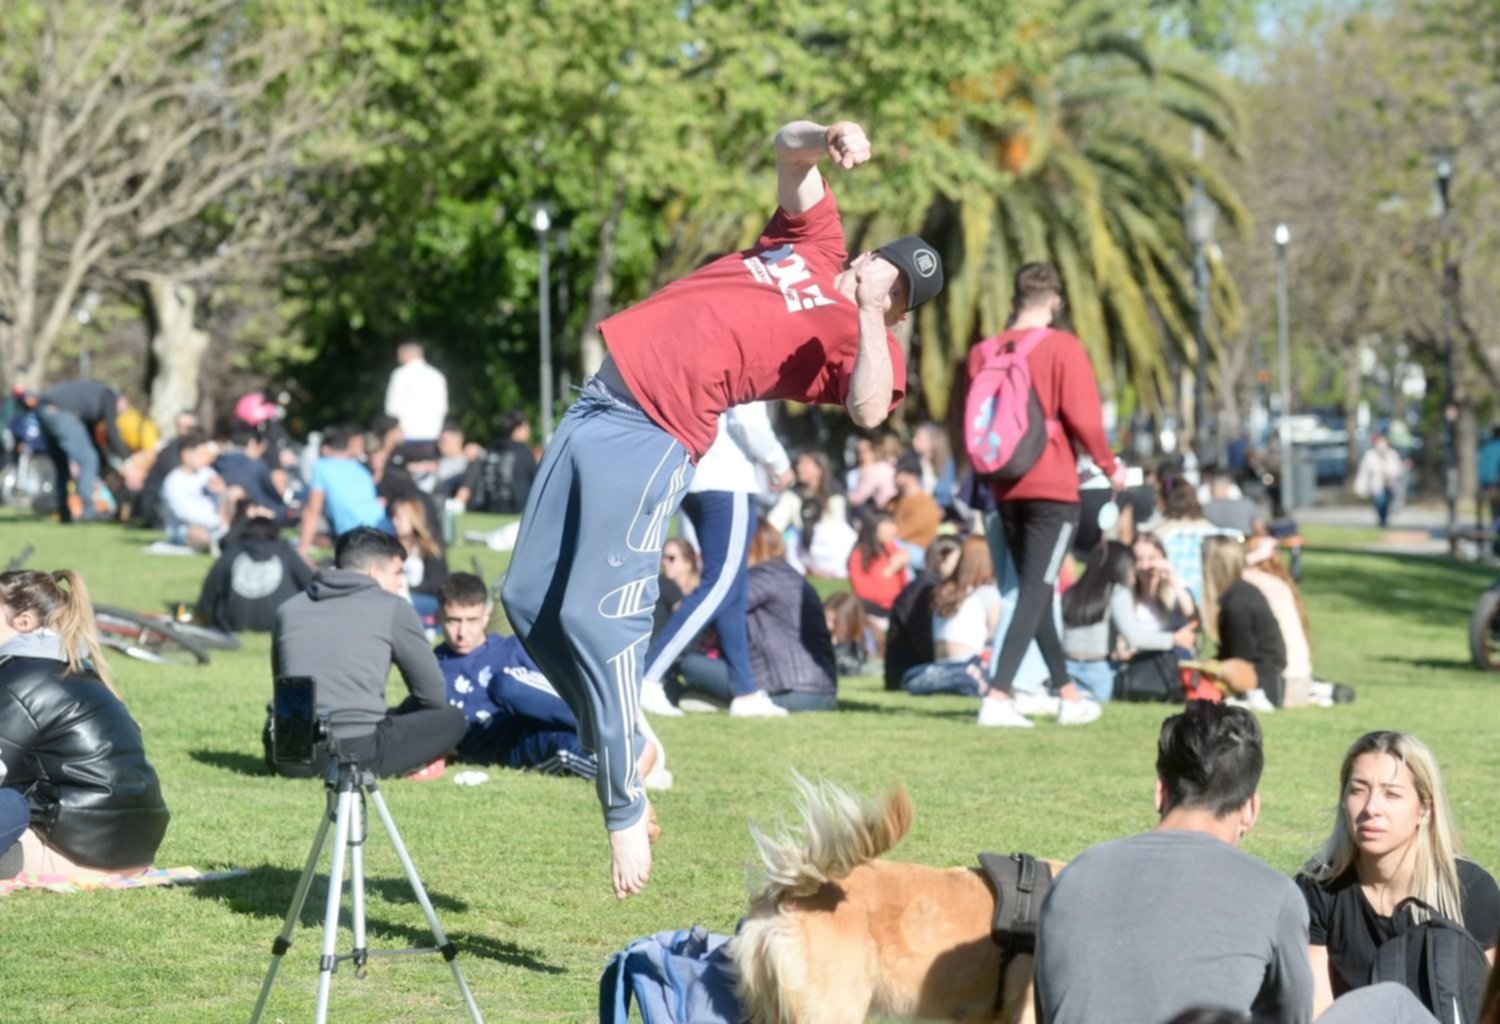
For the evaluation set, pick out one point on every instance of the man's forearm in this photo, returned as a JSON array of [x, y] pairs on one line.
[[803, 142], [870, 386]]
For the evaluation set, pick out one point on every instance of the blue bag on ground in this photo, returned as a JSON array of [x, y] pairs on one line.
[[676, 977]]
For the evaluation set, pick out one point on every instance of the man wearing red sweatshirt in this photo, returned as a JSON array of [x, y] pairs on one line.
[[1040, 510]]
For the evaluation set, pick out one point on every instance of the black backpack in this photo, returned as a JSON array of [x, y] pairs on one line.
[[1150, 676], [1437, 959]]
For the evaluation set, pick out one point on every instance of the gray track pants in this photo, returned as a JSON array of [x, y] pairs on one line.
[[582, 582]]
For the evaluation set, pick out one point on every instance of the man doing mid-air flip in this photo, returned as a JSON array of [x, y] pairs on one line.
[[789, 318]]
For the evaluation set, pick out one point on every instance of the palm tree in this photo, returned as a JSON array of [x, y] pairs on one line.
[[1098, 174]]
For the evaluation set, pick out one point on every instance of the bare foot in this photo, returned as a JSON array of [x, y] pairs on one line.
[[630, 851]]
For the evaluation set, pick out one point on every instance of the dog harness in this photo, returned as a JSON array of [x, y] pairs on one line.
[[1020, 882]]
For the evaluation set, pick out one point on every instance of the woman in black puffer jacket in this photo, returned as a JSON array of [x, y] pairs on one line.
[[67, 743]]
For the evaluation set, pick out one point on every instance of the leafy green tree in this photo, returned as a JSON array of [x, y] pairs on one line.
[[1096, 172]]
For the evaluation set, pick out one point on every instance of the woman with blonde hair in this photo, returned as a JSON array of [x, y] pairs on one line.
[[1393, 838], [66, 741], [1237, 617]]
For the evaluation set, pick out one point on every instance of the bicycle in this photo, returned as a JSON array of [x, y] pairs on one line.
[[1484, 630], [153, 638]]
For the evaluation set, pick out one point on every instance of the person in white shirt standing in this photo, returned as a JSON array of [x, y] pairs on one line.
[[417, 395], [720, 504]]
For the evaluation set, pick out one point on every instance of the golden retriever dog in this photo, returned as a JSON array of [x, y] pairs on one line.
[[836, 936]]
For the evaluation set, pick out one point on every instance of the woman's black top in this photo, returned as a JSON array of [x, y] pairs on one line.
[[1248, 631], [1340, 918]]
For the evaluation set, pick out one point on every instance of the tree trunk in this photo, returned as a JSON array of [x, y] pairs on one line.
[[178, 347], [601, 290]]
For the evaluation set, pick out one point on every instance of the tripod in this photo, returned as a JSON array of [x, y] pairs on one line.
[[347, 787]]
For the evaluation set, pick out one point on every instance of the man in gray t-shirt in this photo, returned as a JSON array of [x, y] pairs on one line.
[[1136, 930]]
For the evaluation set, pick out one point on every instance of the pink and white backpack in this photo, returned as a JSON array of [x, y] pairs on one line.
[[1005, 429]]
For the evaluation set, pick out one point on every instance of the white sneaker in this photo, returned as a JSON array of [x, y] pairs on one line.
[[756, 705], [1035, 703], [1078, 712], [1255, 700], [659, 777], [654, 700], [1002, 714]]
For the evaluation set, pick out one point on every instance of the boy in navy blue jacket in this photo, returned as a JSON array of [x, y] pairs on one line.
[[516, 718]]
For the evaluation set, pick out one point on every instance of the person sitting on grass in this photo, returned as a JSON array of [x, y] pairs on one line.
[[878, 566], [515, 717], [1394, 837], [1100, 627], [67, 741], [426, 566], [1141, 928], [791, 649], [195, 501], [346, 631], [255, 572], [342, 489], [1237, 617], [965, 612], [917, 515]]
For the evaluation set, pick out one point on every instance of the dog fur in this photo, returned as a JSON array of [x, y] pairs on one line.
[[836, 936]]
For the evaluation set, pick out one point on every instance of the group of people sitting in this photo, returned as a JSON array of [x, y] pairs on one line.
[[1179, 926]]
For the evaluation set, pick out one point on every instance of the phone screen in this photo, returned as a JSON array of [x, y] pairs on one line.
[[293, 724]]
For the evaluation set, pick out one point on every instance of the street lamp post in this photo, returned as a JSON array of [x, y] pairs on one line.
[[541, 221], [1443, 167], [1284, 364], [1201, 215]]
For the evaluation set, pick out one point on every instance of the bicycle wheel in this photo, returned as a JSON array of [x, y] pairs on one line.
[[1484, 631], [146, 639], [206, 637]]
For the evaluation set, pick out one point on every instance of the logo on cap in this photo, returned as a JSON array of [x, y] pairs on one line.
[[926, 261]]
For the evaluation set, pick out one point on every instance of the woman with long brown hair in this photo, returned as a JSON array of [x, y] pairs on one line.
[[965, 614], [58, 713], [425, 568]]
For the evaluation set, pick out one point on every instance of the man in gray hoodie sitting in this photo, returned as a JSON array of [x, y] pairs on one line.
[[345, 631]]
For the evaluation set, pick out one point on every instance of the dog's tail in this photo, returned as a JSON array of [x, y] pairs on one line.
[[839, 832]]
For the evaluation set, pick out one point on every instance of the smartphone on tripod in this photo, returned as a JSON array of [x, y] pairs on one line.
[[294, 723]]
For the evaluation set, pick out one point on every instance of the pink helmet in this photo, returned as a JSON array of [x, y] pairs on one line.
[[254, 408]]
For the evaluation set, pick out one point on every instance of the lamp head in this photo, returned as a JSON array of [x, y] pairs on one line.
[[1283, 234], [541, 216]]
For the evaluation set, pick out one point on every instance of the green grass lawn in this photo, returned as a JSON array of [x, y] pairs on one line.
[[518, 868]]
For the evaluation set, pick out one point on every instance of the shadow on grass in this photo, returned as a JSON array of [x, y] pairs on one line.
[[231, 761], [267, 893], [845, 704], [1434, 591], [1446, 664]]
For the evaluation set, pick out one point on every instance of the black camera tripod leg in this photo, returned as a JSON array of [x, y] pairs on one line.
[[299, 900]]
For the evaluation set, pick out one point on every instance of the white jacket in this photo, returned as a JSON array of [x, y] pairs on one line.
[[745, 449]]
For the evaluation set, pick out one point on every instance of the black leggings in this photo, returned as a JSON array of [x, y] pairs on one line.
[[1038, 535]]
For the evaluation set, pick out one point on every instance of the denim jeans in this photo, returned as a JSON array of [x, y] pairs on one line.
[[1097, 677], [942, 677]]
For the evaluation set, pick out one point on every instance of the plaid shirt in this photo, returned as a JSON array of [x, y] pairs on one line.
[[1183, 540]]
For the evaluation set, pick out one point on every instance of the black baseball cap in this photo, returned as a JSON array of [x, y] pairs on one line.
[[920, 263]]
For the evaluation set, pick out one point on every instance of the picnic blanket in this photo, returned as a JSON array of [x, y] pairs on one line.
[[155, 878]]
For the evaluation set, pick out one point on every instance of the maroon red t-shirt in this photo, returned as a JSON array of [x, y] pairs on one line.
[[1069, 393], [765, 323]]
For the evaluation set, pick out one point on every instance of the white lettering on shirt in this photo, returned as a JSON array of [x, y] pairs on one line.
[[786, 270]]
